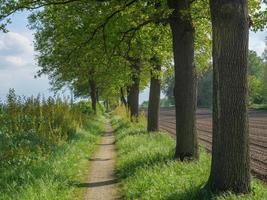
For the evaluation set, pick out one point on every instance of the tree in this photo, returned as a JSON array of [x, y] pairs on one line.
[[168, 87], [185, 79], [144, 13], [204, 93], [256, 67], [61, 58], [112, 22], [230, 168], [123, 100], [154, 97], [133, 89], [157, 59], [204, 89]]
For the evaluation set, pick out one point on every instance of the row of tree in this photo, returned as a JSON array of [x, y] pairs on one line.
[[257, 84], [111, 49]]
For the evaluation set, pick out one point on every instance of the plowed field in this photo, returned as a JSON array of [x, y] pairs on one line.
[[257, 129]]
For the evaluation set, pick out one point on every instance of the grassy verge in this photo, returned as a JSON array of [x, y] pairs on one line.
[[258, 106], [55, 176], [147, 171]]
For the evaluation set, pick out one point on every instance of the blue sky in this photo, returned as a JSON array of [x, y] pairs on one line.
[[18, 64], [17, 61]]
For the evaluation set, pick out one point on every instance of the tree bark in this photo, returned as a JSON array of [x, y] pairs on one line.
[[133, 93], [123, 100], [185, 79], [97, 95], [93, 94], [153, 103], [230, 168], [106, 104]]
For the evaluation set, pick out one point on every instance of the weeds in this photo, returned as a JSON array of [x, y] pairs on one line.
[[44, 147], [125, 114]]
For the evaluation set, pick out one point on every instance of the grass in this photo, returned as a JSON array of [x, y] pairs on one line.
[[146, 168], [259, 106], [54, 176]]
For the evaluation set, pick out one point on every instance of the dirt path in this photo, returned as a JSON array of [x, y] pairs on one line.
[[102, 183]]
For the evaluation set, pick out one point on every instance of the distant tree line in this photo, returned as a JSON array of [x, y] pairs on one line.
[[257, 76]]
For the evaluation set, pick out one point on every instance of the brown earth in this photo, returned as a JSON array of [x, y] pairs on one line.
[[102, 182], [257, 129]]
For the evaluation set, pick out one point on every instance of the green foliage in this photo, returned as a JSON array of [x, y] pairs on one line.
[[257, 83], [168, 87], [147, 170], [256, 90], [256, 64], [259, 106], [78, 41], [204, 92], [257, 73], [165, 102], [258, 14], [144, 104], [85, 108]]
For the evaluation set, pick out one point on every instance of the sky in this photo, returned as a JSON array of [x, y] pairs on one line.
[[18, 64]]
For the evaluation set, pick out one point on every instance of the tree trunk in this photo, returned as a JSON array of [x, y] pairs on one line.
[[97, 95], [230, 169], [93, 94], [185, 79], [133, 95], [153, 103], [133, 99], [106, 104], [123, 100], [128, 100]]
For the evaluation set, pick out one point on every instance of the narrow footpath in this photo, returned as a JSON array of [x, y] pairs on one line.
[[102, 182]]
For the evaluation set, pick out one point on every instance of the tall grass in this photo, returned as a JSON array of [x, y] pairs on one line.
[[147, 170], [125, 114], [30, 126], [44, 146]]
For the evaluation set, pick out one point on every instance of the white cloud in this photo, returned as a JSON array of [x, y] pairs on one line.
[[15, 60], [17, 63], [15, 43], [16, 50], [17, 66]]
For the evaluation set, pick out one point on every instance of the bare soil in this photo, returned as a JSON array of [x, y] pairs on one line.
[[257, 131], [102, 182]]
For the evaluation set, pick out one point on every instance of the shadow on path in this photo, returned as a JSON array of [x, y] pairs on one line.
[[99, 159], [97, 184], [102, 181]]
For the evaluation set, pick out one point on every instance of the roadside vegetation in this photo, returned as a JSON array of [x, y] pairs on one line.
[[147, 170], [111, 50], [44, 147]]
